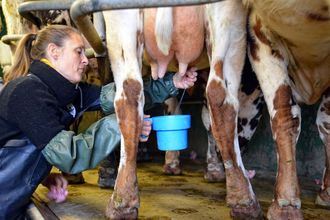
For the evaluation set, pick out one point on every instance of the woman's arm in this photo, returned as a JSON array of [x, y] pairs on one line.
[[155, 91], [73, 153]]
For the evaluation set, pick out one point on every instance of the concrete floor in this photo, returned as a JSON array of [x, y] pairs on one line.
[[173, 197]]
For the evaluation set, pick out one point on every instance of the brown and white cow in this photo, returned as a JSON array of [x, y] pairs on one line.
[[176, 33], [289, 48]]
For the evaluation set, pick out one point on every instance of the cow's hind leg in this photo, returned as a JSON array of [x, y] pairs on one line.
[[323, 123], [226, 49], [172, 163], [271, 70], [125, 46], [251, 104], [214, 167], [172, 158]]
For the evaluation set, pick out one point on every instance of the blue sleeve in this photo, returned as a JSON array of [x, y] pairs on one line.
[[155, 91]]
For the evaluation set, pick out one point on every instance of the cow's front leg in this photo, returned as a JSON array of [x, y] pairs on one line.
[[271, 70], [323, 124], [125, 202], [125, 45]]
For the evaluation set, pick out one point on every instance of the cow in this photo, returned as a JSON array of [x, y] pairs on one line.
[[289, 49], [288, 45], [180, 33]]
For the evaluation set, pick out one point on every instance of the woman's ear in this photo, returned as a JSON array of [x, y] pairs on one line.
[[53, 51]]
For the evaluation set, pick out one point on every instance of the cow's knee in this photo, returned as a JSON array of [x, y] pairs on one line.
[[286, 120]]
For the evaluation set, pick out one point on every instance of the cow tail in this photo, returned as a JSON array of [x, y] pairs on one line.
[[164, 29]]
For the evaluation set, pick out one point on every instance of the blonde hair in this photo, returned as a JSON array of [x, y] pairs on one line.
[[33, 47]]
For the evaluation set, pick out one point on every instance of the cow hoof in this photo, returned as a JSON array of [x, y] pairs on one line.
[[323, 198], [251, 212], [120, 213], [172, 169], [214, 176], [276, 212]]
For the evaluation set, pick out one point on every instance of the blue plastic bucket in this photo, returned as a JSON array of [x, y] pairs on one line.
[[171, 131]]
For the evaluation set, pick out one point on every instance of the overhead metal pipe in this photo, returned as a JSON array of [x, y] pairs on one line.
[[89, 52], [81, 8], [99, 24], [100, 5], [25, 8]]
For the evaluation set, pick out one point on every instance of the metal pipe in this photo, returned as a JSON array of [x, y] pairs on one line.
[[25, 8], [99, 24], [81, 8], [89, 53], [9, 38], [89, 6]]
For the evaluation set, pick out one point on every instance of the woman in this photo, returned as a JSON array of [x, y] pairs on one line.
[[37, 109]]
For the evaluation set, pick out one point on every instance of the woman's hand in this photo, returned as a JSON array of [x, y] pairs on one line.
[[57, 186], [146, 128], [187, 80]]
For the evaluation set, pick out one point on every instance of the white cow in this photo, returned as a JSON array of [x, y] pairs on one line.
[[178, 33], [289, 47]]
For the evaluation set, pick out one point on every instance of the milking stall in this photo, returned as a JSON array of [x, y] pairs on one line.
[[255, 139]]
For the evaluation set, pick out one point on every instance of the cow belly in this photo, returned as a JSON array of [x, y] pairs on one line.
[[310, 83]]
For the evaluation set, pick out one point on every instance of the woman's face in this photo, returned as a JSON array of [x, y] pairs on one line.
[[72, 61]]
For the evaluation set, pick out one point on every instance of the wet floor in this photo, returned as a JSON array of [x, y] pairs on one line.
[[174, 197]]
